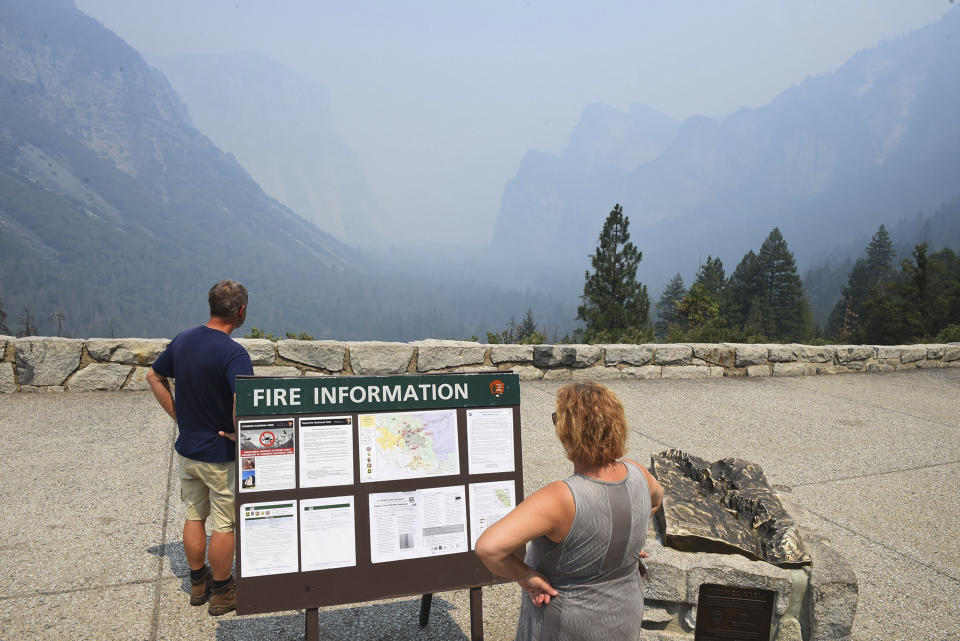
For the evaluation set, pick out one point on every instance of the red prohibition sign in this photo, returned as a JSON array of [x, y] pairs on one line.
[[267, 439]]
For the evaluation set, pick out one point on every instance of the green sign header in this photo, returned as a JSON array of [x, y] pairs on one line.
[[263, 395]]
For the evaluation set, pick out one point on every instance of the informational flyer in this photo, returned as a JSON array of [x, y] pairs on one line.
[[326, 451], [267, 455], [408, 445], [421, 523], [489, 502], [490, 440], [327, 533], [268, 538]]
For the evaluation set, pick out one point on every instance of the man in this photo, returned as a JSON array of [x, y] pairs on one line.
[[205, 362]]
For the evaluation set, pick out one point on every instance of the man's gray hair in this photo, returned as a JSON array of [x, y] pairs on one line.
[[226, 298]]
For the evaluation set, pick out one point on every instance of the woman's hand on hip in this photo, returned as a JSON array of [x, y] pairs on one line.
[[537, 588]]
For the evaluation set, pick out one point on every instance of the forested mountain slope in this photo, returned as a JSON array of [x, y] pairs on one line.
[[118, 213], [827, 161]]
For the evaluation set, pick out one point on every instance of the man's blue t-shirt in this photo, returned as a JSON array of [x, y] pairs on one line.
[[205, 363]]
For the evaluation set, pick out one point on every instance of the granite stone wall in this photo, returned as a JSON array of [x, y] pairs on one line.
[[58, 364]]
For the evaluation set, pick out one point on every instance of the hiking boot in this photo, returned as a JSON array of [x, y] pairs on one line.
[[223, 599], [200, 589]]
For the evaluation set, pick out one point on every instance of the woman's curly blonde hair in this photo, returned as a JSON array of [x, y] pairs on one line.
[[590, 424]]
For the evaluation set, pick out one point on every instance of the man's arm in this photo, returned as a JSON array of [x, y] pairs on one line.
[[231, 435], [160, 387]]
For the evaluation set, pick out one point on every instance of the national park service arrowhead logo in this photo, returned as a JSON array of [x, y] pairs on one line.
[[496, 388]]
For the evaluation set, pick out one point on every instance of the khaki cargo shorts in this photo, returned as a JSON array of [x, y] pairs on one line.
[[207, 488]]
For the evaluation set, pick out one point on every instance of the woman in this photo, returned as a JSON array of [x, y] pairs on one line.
[[581, 572]]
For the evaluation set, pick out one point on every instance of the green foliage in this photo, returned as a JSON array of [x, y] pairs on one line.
[[302, 336], [743, 291], [919, 304], [763, 300], [255, 332], [667, 306], [712, 279], [867, 273], [715, 331], [698, 308], [634, 335], [523, 333], [615, 307], [765, 294], [949, 334], [785, 314]]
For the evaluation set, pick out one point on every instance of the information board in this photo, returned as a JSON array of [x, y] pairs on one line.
[[357, 488]]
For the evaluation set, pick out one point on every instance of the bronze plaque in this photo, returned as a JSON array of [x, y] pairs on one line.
[[734, 613], [724, 507]]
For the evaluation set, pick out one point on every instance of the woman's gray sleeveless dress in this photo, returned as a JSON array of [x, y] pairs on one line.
[[594, 569]]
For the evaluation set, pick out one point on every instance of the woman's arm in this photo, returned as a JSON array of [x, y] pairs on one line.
[[547, 512], [656, 490]]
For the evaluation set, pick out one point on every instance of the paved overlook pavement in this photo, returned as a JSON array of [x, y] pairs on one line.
[[90, 527]]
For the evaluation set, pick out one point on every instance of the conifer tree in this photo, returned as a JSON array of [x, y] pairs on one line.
[[880, 255], [742, 302], [712, 278], [786, 314], [615, 306], [667, 313], [698, 308], [868, 272], [527, 328], [917, 304]]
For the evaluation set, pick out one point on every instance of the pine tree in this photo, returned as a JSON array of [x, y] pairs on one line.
[[698, 309], [785, 312], [868, 272], [880, 255], [712, 278], [917, 304], [615, 305], [667, 313], [525, 332], [741, 305], [527, 326]]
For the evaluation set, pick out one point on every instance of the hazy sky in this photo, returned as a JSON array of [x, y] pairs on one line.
[[440, 100]]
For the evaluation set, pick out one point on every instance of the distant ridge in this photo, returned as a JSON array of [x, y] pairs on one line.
[[277, 124], [827, 161]]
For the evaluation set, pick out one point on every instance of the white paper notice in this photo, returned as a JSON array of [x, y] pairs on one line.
[[267, 455], [408, 445], [409, 525], [268, 538], [489, 502], [490, 440], [327, 533], [326, 451]]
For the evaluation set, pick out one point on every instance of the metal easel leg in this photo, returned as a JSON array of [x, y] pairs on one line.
[[425, 602], [476, 614], [312, 628]]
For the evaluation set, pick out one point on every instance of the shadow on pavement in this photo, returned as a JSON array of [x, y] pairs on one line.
[[381, 621]]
